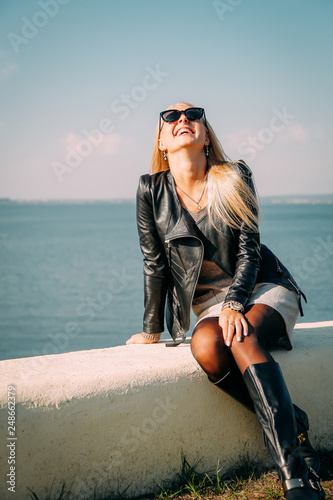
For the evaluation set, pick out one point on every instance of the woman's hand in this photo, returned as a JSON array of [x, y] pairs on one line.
[[233, 323], [138, 338]]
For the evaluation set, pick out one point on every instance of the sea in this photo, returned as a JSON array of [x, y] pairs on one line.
[[71, 272]]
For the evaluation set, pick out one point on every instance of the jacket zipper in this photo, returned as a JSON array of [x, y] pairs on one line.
[[300, 294], [169, 259], [280, 270]]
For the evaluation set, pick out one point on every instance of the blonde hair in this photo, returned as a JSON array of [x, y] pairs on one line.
[[230, 198]]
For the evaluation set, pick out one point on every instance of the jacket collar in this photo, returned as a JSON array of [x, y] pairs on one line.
[[179, 225]]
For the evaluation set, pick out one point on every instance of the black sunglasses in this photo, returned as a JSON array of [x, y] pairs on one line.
[[172, 115]]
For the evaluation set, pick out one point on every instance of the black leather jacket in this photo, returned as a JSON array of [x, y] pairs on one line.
[[173, 251]]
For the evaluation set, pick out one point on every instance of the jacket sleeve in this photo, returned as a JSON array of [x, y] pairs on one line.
[[155, 268], [248, 255]]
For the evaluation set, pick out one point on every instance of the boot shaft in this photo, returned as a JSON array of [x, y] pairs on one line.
[[275, 413]]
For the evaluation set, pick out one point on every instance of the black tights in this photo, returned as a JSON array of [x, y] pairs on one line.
[[216, 359]]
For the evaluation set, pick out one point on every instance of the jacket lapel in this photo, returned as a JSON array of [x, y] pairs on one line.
[[179, 225]]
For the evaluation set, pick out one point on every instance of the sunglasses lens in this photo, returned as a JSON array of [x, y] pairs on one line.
[[170, 116], [194, 114], [191, 114]]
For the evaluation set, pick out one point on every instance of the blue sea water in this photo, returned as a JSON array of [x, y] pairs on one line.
[[71, 274]]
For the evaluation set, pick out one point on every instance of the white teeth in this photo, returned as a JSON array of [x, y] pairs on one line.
[[183, 131]]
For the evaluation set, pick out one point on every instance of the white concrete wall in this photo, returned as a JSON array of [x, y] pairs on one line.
[[121, 417]]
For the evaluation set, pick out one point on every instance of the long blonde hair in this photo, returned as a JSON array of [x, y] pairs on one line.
[[230, 198]]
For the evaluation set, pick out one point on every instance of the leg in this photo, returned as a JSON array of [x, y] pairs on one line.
[[217, 360], [214, 357], [272, 403], [275, 413], [209, 350], [265, 325]]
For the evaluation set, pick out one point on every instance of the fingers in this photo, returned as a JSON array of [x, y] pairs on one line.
[[233, 324], [245, 326], [233, 330], [239, 330], [230, 327]]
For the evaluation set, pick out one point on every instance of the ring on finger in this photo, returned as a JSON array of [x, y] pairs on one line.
[[231, 323]]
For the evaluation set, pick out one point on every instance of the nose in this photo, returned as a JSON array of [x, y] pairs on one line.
[[182, 117]]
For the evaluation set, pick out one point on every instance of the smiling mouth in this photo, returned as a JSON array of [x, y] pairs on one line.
[[184, 131]]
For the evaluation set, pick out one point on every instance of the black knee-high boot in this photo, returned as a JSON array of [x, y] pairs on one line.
[[233, 384], [275, 413]]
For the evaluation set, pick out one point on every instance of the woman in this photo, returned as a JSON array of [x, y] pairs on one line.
[[197, 219]]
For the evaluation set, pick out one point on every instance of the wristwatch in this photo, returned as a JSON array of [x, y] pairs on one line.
[[236, 306]]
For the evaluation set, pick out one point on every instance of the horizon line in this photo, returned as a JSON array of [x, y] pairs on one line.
[[295, 197]]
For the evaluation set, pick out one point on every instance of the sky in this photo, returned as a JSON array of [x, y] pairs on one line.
[[82, 83]]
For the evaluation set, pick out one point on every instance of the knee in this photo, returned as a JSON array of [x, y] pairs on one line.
[[209, 350], [249, 349], [203, 347], [211, 354]]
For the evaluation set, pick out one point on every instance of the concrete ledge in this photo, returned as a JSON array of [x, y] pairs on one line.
[[121, 417]]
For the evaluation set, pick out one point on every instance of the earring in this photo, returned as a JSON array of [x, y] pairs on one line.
[[207, 151], [164, 156]]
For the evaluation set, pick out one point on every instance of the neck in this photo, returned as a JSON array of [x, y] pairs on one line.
[[188, 168]]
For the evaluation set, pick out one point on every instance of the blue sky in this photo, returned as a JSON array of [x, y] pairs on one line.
[[82, 83]]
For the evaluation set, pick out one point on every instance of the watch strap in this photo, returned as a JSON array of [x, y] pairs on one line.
[[236, 306]]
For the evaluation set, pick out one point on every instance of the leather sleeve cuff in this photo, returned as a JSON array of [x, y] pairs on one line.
[[153, 328]]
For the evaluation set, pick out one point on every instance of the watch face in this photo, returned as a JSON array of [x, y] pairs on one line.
[[235, 306]]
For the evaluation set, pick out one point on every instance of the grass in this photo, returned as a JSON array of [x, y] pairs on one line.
[[232, 483], [247, 479]]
